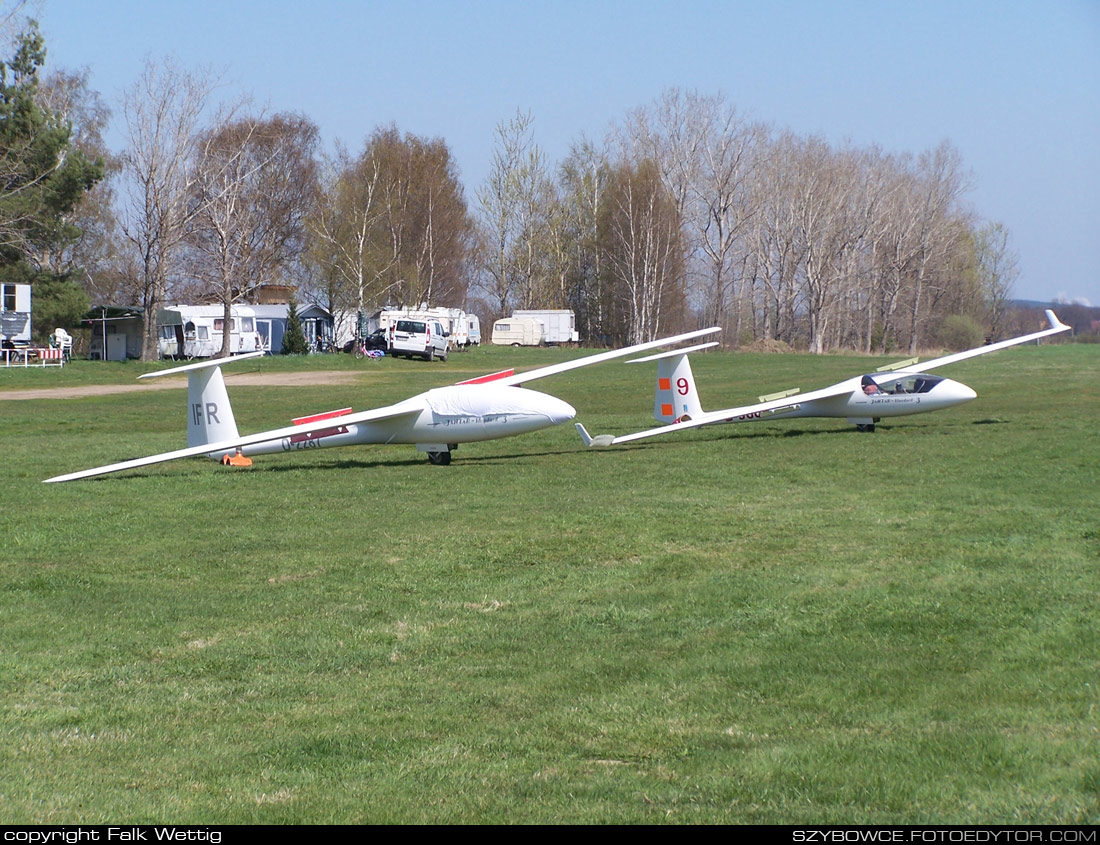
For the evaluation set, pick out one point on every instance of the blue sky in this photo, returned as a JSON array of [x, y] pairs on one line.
[[1015, 86]]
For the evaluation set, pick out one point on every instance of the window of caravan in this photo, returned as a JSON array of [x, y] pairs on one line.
[[203, 333], [9, 297], [503, 327], [246, 324]]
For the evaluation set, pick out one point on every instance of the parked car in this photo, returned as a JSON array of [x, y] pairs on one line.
[[375, 340], [424, 338]]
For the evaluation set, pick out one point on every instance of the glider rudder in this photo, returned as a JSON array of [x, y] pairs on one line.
[[675, 398], [209, 414]]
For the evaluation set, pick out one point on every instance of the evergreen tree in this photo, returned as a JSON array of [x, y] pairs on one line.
[[42, 178], [294, 339]]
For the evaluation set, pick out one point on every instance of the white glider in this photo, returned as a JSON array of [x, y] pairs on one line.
[[435, 422], [898, 390]]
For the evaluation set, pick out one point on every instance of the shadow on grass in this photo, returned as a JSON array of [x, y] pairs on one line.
[[188, 471], [461, 457]]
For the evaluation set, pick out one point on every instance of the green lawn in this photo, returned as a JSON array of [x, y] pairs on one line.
[[775, 622]]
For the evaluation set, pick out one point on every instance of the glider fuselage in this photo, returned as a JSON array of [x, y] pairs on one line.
[[445, 415], [900, 394]]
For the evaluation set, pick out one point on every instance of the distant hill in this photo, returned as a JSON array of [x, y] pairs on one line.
[[1031, 303], [1085, 319]]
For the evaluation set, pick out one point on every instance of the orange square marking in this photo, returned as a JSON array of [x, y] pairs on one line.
[[664, 384], [666, 410]]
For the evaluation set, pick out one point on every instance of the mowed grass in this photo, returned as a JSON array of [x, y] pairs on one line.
[[775, 622]]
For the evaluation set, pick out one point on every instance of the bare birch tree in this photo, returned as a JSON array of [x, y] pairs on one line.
[[162, 112], [254, 181], [511, 210], [644, 250], [582, 185], [340, 227], [997, 267]]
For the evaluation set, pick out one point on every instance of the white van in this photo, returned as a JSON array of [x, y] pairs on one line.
[[424, 338]]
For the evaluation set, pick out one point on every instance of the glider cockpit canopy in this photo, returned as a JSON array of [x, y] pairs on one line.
[[903, 383]]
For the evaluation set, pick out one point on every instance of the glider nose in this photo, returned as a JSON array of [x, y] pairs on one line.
[[559, 411], [957, 392]]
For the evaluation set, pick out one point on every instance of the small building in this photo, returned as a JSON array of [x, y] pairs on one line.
[[317, 326], [15, 313], [116, 332]]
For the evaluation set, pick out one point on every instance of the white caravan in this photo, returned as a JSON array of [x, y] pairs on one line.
[[199, 330], [558, 326], [518, 331]]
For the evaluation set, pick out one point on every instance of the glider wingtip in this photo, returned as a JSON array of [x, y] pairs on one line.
[[1055, 323], [593, 442]]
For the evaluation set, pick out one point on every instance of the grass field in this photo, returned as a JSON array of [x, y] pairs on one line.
[[777, 622]]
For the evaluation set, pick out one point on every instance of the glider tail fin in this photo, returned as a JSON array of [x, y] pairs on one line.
[[209, 415], [675, 398]]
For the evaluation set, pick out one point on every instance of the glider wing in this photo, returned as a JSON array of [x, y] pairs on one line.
[[1056, 326], [775, 406], [554, 369], [390, 412]]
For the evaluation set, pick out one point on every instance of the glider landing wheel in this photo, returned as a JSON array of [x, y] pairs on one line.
[[869, 427], [439, 459]]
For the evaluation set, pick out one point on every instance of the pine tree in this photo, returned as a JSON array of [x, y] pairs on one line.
[[294, 339], [42, 178]]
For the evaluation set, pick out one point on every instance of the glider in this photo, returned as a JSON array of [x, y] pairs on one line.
[[436, 421], [896, 390]]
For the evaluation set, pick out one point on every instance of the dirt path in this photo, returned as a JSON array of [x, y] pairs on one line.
[[177, 382]]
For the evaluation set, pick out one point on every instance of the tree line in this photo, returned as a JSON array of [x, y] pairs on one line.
[[686, 212]]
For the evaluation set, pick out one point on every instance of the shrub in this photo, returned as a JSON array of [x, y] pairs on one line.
[[959, 332]]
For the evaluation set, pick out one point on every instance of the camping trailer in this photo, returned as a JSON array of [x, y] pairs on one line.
[[558, 326], [196, 331], [517, 331]]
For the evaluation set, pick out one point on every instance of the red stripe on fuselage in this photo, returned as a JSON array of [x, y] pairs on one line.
[[328, 415], [488, 378], [317, 435]]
